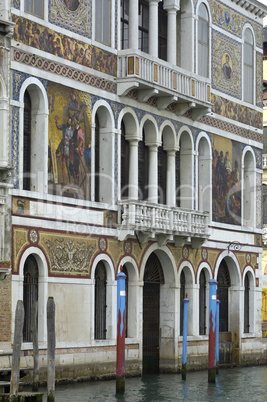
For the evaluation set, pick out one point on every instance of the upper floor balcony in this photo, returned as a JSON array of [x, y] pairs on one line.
[[151, 76], [264, 161], [146, 220]]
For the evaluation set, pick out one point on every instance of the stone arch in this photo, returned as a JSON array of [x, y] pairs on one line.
[[204, 172], [17, 287], [248, 188], [39, 134], [132, 298], [103, 158], [186, 147], [204, 275], [110, 294], [186, 273]]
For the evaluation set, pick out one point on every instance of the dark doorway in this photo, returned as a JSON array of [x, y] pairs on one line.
[[202, 303], [30, 294], [100, 301], [153, 278], [224, 283]]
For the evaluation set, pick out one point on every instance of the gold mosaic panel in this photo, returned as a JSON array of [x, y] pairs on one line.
[[226, 57], [232, 21], [20, 241], [235, 111], [68, 254], [20, 206]]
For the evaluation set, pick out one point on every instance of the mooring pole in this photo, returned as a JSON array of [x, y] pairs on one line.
[[35, 383], [19, 321], [51, 346], [121, 322], [185, 320], [217, 333], [212, 331]]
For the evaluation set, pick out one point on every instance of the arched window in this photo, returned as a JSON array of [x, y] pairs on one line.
[[124, 164], [27, 142], [202, 303], [248, 60], [100, 301], [203, 41], [162, 175], [124, 24], [177, 177], [125, 271], [102, 21], [223, 284], [97, 135], [246, 305], [143, 25], [30, 294], [143, 160], [182, 296]]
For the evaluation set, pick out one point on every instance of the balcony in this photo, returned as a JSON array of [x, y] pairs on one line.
[[146, 221], [169, 84], [264, 161]]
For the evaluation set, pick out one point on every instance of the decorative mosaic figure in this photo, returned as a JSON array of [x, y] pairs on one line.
[[227, 69]]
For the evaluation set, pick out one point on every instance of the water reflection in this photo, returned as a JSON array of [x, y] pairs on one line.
[[242, 384]]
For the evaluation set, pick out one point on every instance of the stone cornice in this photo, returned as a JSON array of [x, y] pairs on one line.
[[254, 6]]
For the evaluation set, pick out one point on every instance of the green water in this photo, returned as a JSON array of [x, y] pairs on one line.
[[238, 384]]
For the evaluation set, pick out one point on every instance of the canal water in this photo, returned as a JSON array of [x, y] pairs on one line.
[[238, 384]]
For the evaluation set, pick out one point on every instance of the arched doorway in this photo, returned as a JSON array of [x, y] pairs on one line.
[[224, 283], [153, 278], [30, 294], [100, 301]]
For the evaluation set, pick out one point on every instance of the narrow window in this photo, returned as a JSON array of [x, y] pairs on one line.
[[162, 175], [143, 25], [143, 160], [203, 41], [126, 300], [30, 294], [97, 161], [182, 297], [100, 301], [246, 305], [102, 21], [124, 24], [248, 66], [162, 32], [34, 7], [27, 142], [124, 164], [223, 280], [202, 303]]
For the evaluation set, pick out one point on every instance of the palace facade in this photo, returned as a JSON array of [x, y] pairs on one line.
[[131, 138]]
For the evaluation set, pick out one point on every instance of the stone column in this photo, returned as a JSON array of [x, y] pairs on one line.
[[133, 24], [171, 6], [153, 174], [133, 170], [171, 190], [153, 27]]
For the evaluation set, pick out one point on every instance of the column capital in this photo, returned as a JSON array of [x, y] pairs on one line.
[[171, 5], [153, 1]]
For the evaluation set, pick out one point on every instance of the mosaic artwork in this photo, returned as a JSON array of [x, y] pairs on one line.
[[74, 15], [45, 39], [69, 142], [235, 111], [226, 189], [226, 73], [232, 21]]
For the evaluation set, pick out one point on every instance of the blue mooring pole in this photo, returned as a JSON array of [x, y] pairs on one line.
[[185, 320], [212, 331], [121, 321], [217, 333]]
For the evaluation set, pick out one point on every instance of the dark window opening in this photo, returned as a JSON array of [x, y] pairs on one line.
[[100, 301], [30, 294]]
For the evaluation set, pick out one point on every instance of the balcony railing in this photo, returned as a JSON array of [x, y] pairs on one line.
[[155, 219], [141, 71], [264, 161]]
